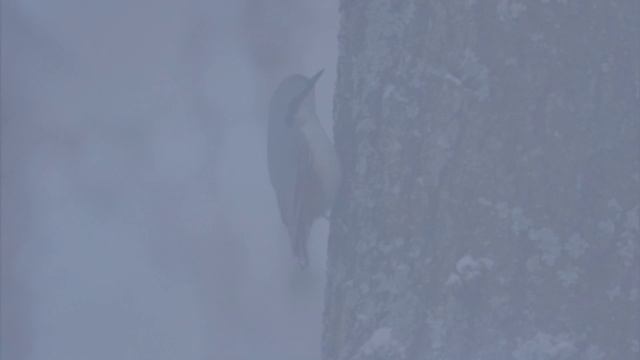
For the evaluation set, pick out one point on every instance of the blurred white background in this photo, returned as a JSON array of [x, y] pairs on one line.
[[137, 219]]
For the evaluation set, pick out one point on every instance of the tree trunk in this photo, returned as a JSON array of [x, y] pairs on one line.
[[491, 198]]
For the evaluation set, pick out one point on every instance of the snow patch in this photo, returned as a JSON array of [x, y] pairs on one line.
[[594, 353], [614, 205], [576, 246], [453, 280], [475, 74], [548, 243], [510, 10], [544, 346], [468, 268], [607, 227], [569, 276], [503, 210], [632, 222], [381, 342], [519, 222]]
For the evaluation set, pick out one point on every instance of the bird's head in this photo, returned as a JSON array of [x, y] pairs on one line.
[[294, 99]]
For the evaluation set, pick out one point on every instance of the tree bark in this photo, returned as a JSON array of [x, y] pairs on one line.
[[491, 198]]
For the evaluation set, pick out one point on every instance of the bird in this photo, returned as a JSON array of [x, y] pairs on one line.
[[302, 161]]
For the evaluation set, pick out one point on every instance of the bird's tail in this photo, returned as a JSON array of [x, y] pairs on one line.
[[300, 248]]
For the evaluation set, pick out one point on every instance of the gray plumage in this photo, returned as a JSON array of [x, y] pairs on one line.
[[303, 166]]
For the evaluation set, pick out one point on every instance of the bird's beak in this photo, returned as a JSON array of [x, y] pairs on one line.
[[297, 101]]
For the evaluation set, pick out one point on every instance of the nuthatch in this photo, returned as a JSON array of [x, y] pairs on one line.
[[303, 165]]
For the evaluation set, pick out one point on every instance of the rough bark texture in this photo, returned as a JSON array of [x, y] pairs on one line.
[[491, 198]]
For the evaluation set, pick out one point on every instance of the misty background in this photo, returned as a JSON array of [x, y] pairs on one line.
[[137, 217]]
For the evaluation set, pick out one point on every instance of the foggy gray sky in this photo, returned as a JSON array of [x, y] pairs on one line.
[[137, 217]]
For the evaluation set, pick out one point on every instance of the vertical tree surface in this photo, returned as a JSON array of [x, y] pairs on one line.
[[491, 198]]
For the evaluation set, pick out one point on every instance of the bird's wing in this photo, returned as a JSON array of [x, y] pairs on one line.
[[292, 176], [304, 206], [283, 171]]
